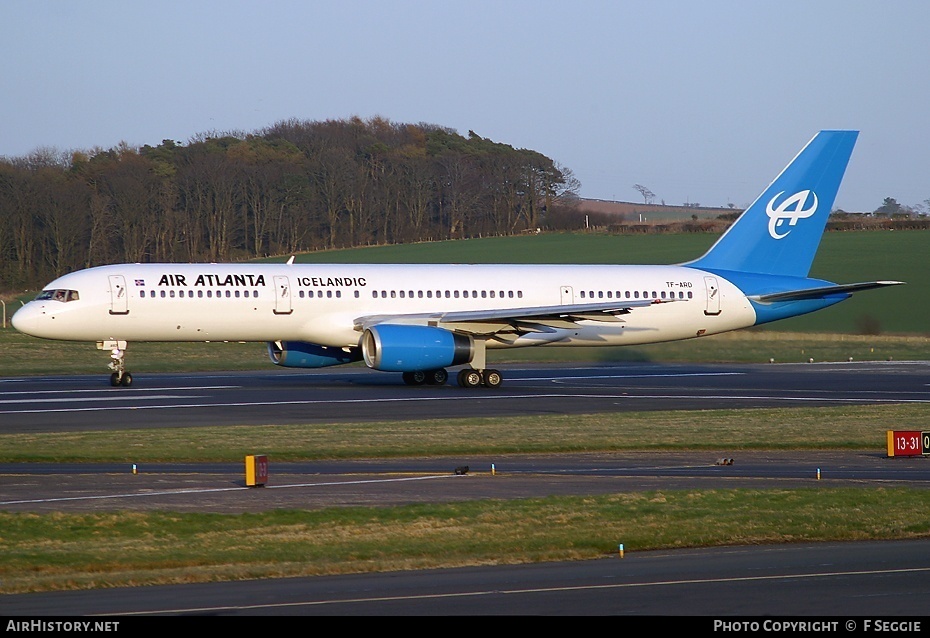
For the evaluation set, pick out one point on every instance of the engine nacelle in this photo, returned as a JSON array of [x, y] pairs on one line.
[[401, 348], [298, 354]]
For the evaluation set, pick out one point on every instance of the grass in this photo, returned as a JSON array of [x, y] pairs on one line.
[[801, 428], [58, 552]]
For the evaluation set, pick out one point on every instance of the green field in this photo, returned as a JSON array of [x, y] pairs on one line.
[[844, 257]]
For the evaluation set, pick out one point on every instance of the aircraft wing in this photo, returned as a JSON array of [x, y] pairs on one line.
[[491, 320], [816, 293]]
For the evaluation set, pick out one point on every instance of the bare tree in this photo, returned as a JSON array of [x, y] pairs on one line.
[[647, 194]]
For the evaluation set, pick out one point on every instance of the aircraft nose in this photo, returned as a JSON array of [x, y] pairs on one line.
[[26, 319]]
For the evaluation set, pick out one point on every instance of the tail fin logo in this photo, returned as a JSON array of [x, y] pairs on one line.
[[791, 215]]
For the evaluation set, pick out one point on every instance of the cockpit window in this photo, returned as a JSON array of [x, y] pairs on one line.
[[58, 295]]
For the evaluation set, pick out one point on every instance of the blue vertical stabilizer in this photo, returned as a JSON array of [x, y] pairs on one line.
[[780, 232]]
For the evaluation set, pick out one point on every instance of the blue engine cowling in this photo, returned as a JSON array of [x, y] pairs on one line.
[[401, 348], [298, 354]]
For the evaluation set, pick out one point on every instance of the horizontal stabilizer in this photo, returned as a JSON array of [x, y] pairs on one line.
[[823, 291]]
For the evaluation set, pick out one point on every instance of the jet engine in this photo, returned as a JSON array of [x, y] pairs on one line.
[[298, 354], [402, 348]]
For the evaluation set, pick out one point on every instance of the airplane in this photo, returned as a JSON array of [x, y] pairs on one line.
[[421, 319]]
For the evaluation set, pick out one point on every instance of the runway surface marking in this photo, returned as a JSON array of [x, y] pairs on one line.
[[541, 590], [114, 390], [628, 376], [479, 397], [213, 490], [150, 397]]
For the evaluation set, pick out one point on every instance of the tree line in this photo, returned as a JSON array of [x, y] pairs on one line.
[[295, 186]]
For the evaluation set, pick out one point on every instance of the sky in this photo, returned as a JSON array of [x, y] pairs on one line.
[[701, 102]]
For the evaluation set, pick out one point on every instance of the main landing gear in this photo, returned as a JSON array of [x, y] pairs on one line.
[[467, 378], [120, 375], [471, 377]]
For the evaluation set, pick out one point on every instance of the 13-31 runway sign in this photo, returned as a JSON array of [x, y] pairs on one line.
[[908, 443]]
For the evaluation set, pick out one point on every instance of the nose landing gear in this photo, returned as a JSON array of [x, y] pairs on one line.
[[120, 375]]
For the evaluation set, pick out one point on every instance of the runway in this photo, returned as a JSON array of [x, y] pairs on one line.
[[51, 404], [854, 579]]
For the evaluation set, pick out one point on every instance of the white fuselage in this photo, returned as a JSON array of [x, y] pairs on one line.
[[322, 303]]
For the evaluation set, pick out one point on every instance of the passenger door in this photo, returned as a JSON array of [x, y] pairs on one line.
[[119, 296]]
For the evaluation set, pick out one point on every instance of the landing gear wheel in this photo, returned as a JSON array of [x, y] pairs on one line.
[[492, 378], [469, 378], [117, 379], [437, 377], [414, 378]]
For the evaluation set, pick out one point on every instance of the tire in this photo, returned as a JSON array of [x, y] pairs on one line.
[[126, 381], [415, 378], [437, 377], [492, 378], [469, 378], [114, 380]]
